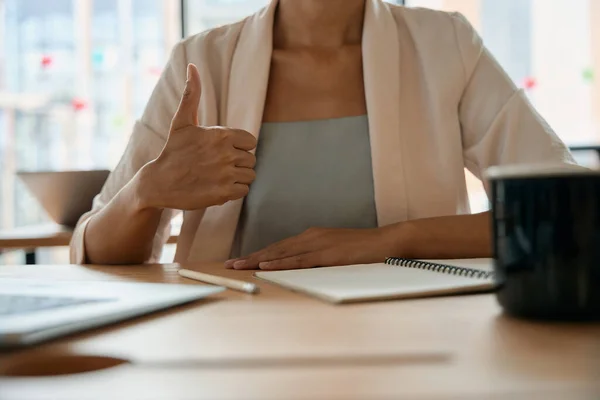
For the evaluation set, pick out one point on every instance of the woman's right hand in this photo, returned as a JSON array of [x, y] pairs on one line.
[[198, 167]]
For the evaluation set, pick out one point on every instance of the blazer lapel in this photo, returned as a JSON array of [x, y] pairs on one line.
[[382, 71], [249, 77]]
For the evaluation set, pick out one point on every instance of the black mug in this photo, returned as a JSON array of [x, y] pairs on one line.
[[546, 241]]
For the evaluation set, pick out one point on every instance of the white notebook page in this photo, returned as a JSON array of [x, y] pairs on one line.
[[364, 282]]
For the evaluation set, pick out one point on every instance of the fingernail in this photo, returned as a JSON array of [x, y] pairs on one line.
[[240, 264], [188, 71], [264, 265], [229, 263]]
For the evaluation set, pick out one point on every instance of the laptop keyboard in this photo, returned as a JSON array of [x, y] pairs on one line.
[[23, 304]]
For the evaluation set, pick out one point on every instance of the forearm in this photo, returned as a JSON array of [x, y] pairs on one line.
[[457, 236], [123, 231]]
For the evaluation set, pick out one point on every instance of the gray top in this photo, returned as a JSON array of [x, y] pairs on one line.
[[308, 174]]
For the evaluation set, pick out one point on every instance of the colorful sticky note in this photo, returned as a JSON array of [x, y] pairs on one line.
[[46, 61], [105, 58], [78, 104], [97, 58], [155, 71], [119, 121], [529, 83], [588, 75]]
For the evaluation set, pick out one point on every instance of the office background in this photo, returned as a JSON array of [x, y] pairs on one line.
[[75, 74]]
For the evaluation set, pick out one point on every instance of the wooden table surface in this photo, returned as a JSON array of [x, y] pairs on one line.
[[279, 344], [47, 235]]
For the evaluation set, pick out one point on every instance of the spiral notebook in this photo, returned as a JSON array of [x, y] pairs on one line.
[[397, 278]]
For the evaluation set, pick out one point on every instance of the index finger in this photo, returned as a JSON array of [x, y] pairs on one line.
[[243, 140]]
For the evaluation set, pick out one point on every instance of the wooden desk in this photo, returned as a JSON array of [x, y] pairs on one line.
[[30, 238], [283, 345]]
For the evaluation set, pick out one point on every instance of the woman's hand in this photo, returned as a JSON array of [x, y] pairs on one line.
[[319, 247], [455, 236], [198, 167]]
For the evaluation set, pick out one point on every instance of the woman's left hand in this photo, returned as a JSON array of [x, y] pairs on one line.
[[320, 247]]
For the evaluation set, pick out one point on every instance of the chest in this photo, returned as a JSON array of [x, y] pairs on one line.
[[312, 84]]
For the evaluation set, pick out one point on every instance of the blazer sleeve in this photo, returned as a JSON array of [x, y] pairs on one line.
[[149, 135], [499, 124]]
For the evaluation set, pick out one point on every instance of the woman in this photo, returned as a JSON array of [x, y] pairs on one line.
[[367, 114]]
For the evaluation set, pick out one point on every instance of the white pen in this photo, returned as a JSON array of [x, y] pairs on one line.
[[233, 284]]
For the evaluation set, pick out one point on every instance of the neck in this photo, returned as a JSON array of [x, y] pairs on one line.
[[322, 23]]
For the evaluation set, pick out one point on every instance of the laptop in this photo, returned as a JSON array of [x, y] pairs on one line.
[[64, 195], [34, 311]]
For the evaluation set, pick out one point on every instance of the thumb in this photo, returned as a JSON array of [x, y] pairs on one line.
[[187, 112]]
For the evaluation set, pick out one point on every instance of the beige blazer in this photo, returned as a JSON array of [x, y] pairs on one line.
[[436, 99]]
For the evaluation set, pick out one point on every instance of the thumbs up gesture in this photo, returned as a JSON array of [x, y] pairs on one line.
[[198, 167]]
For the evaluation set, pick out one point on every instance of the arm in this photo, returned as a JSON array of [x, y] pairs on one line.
[[116, 229], [499, 126], [123, 231], [197, 168], [455, 236]]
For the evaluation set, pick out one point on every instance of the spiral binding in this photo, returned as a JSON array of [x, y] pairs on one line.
[[446, 269]]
